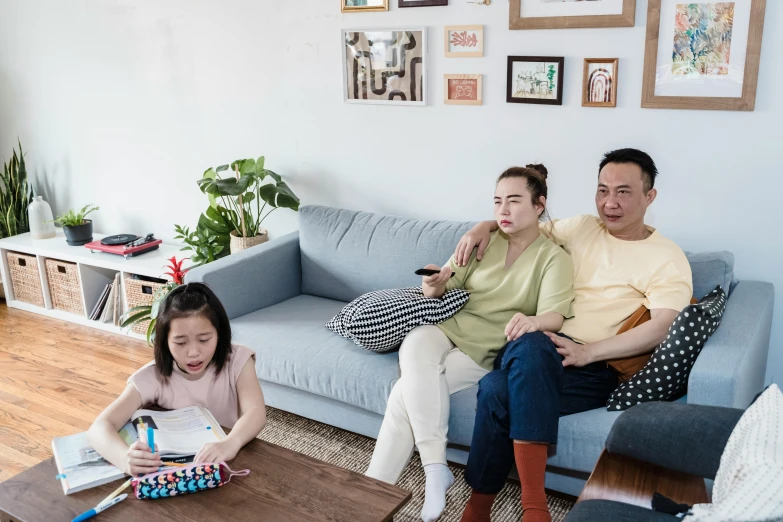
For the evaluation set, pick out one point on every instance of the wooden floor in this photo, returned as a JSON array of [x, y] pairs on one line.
[[55, 377]]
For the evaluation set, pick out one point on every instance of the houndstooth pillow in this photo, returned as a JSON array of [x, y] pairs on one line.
[[379, 321], [665, 376]]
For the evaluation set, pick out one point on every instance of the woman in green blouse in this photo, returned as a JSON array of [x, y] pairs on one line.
[[524, 283]]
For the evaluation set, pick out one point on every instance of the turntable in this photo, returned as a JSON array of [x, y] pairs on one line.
[[126, 245]]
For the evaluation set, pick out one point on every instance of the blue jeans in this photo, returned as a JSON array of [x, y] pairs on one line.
[[523, 399]]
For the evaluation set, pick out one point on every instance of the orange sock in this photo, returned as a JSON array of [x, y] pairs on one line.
[[479, 507], [531, 466]]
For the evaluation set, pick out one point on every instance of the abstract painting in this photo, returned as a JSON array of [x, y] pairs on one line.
[[348, 6], [464, 41], [385, 66], [534, 79], [600, 82], [462, 89], [702, 38]]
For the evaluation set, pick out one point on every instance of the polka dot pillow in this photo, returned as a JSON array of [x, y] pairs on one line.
[[379, 321], [665, 376]]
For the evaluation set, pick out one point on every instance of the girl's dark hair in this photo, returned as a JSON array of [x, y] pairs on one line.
[[185, 301], [536, 175]]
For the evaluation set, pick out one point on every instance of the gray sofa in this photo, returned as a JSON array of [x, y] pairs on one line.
[[279, 295]]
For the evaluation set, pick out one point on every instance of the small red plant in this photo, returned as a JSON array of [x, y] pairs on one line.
[[463, 39], [175, 270]]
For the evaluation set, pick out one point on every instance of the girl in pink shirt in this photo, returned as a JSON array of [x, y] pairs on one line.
[[195, 365]]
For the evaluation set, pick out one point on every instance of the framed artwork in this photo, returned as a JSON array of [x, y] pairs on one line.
[[702, 54], [462, 89], [571, 14], [599, 85], [421, 3], [535, 79], [354, 6], [464, 41], [385, 66]]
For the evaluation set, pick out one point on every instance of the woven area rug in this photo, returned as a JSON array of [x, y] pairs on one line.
[[351, 451]]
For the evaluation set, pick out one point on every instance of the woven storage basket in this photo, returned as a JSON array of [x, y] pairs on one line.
[[64, 286], [239, 244], [25, 278], [140, 293]]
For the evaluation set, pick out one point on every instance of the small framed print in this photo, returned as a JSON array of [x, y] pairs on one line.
[[571, 14], [464, 41], [702, 55], [599, 85], [358, 6], [535, 79], [462, 89], [421, 3]]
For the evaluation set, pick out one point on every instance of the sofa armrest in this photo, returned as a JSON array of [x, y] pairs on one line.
[[731, 367], [255, 278]]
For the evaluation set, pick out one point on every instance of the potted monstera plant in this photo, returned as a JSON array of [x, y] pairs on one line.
[[240, 202]]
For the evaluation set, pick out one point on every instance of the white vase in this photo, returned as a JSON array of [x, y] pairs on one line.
[[40, 215]]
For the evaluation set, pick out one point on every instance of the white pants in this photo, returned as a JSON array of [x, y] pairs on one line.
[[431, 368]]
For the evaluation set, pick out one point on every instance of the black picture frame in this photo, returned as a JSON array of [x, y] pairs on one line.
[[560, 60], [421, 3]]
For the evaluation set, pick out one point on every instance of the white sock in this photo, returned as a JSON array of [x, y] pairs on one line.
[[439, 479]]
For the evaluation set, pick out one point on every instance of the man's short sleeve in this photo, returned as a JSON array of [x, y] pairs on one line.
[[672, 285], [561, 231]]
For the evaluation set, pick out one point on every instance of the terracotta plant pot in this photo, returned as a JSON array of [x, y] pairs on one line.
[[80, 234], [239, 244]]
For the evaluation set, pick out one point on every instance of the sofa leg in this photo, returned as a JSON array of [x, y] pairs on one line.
[[627, 480]]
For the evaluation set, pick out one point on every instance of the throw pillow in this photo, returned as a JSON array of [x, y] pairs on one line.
[[665, 376], [379, 321]]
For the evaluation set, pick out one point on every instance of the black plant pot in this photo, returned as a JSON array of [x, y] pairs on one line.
[[80, 234]]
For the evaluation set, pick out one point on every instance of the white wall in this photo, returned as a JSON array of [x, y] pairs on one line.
[[124, 103]]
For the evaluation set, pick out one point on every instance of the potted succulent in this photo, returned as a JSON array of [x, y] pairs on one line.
[[243, 199], [78, 231], [15, 196], [150, 312]]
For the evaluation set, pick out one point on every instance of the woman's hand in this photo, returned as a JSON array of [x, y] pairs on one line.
[[141, 460], [215, 452], [519, 325], [435, 285], [478, 236]]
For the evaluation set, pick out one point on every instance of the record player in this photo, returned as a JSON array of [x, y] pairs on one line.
[[126, 245]]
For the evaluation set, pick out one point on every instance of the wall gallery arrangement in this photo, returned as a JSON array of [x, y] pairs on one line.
[[702, 54], [385, 66]]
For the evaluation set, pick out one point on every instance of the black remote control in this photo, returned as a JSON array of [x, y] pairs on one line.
[[429, 272]]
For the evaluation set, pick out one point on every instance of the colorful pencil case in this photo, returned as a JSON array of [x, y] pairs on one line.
[[183, 481]]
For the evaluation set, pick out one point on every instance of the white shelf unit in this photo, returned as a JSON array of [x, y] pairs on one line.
[[96, 270]]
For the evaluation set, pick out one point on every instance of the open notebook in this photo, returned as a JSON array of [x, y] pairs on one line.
[[179, 434]]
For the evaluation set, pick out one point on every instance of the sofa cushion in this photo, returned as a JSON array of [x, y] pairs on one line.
[[346, 253], [294, 349], [711, 269]]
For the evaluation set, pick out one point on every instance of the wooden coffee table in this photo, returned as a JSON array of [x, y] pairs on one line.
[[283, 486]]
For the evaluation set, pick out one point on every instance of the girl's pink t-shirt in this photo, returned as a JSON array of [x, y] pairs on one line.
[[216, 393]]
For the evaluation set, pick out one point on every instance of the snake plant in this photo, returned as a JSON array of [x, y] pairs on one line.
[[15, 196]]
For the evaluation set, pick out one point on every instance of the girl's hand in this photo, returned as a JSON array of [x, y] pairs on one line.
[[215, 452], [519, 325], [437, 281], [141, 460]]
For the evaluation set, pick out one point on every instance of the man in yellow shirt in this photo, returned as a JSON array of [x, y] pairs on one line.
[[619, 264]]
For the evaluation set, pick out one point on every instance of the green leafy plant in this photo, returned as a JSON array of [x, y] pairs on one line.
[[150, 312], [15, 196], [74, 218], [205, 245], [242, 196]]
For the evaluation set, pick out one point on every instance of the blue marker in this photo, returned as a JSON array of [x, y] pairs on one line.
[[100, 507], [151, 439]]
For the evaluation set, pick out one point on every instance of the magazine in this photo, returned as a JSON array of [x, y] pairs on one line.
[[179, 434]]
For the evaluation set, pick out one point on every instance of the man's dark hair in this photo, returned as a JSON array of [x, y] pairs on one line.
[[184, 301], [637, 157]]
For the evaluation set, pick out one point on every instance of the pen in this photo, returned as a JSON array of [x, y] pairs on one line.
[[100, 507], [116, 492]]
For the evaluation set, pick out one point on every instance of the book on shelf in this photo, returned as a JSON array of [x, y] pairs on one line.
[[107, 307], [98, 308], [179, 434], [117, 310]]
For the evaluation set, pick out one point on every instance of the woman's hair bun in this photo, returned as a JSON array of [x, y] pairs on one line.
[[538, 168]]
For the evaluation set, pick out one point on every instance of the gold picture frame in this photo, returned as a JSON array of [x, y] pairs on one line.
[[363, 8], [625, 19], [747, 99], [473, 36], [469, 91], [599, 86]]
